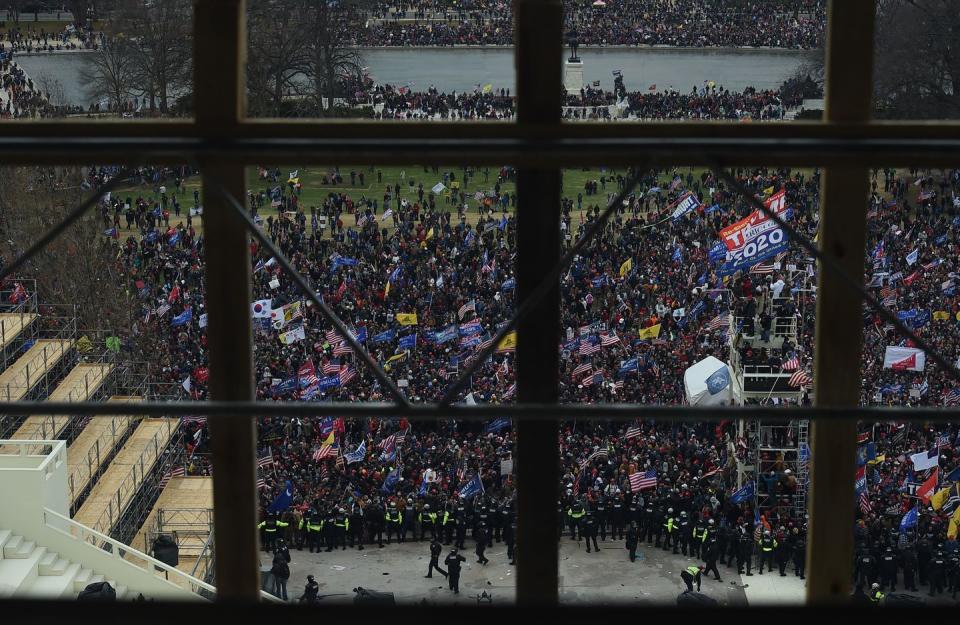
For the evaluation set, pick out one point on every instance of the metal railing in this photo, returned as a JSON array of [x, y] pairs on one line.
[[103, 447], [126, 554], [137, 475]]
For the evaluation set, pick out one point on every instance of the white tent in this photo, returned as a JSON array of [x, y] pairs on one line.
[[709, 382]]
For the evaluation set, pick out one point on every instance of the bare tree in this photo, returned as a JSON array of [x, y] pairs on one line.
[[79, 267], [917, 64], [111, 72], [52, 89], [159, 32], [276, 54], [332, 55]]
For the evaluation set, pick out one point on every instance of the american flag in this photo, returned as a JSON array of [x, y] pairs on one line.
[[618, 385], [401, 436], [388, 443], [800, 378], [324, 472], [177, 472], [470, 306], [888, 296], [583, 369], [609, 339], [347, 374], [307, 373], [600, 453], [640, 481], [865, 506], [331, 366], [362, 221], [633, 432], [792, 363], [342, 348], [484, 345], [511, 391], [762, 268], [333, 338], [162, 310], [266, 459], [341, 463], [720, 321], [952, 398], [325, 451], [200, 420], [588, 349], [261, 483], [462, 471]]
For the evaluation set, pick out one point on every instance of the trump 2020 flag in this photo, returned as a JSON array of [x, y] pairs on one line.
[[183, 318], [743, 494], [283, 500], [472, 488]]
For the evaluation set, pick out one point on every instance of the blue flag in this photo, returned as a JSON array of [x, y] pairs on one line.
[[358, 455], [341, 261], [496, 425], [718, 380], [174, 238], [391, 481], [628, 367], [183, 318], [283, 500], [866, 453], [508, 284], [677, 255], [953, 476], [447, 334], [409, 341], [472, 488], [909, 520], [743, 494], [332, 381], [361, 335], [383, 337]]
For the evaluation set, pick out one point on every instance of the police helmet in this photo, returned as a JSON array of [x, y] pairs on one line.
[[309, 578], [766, 533], [683, 513], [426, 506], [669, 510], [875, 586], [711, 522]]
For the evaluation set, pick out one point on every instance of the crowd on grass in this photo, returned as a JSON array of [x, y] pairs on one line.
[[642, 302]]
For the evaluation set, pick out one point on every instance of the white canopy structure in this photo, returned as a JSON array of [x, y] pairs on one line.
[[710, 382]]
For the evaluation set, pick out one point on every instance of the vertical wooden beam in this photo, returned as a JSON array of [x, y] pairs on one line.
[[539, 80], [219, 103], [839, 326]]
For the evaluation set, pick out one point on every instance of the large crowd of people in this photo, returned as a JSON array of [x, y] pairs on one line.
[[641, 304], [590, 103], [795, 24]]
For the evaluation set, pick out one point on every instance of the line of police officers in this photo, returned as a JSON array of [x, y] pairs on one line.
[[487, 519], [686, 533], [881, 557]]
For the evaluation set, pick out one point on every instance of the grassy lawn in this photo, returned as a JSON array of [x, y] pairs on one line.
[[27, 24], [314, 190]]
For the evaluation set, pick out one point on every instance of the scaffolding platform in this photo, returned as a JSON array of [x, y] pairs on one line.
[[12, 324], [79, 385], [17, 379], [184, 509], [94, 446], [118, 485]]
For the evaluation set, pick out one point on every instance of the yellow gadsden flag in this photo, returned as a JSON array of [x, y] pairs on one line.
[[954, 525], [509, 343], [407, 319], [649, 333], [941, 315], [626, 267], [83, 344]]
